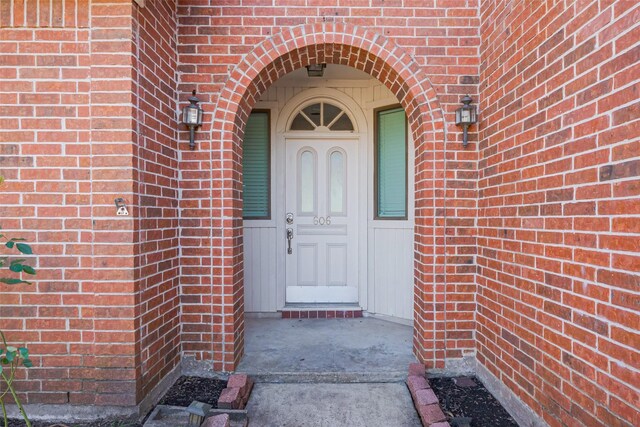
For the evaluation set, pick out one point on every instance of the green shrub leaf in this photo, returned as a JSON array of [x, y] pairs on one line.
[[9, 281], [10, 244], [16, 268], [28, 269], [27, 363], [24, 248]]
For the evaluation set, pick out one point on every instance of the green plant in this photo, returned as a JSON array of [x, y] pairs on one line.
[[11, 358]]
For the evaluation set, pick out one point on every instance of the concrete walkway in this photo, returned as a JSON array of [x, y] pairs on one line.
[[328, 372], [332, 405], [326, 350]]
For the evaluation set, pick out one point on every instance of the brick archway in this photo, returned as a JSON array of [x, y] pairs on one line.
[[365, 50]]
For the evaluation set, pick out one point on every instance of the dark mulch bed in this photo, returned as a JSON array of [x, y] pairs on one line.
[[475, 402], [188, 389], [182, 393], [107, 422]]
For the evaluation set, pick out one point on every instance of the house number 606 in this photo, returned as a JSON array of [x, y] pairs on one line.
[[321, 220]]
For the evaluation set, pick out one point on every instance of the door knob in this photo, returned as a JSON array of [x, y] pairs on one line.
[[289, 218]]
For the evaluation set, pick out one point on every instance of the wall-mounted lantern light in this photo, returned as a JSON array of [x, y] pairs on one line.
[[192, 117], [465, 117], [316, 70]]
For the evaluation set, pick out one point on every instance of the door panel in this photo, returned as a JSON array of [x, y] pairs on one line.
[[336, 264], [307, 260], [321, 184]]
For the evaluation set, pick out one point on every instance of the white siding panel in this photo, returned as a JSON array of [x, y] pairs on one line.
[[393, 272], [260, 269]]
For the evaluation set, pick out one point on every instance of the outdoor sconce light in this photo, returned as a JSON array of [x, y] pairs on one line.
[[316, 70], [192, 117], [197, 412], [465, 117]]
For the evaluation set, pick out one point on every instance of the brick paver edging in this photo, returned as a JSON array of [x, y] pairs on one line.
[[237, 393], [424, 399], [221, 420]]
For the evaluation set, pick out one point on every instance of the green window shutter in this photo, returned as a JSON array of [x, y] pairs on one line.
[[255, 167], [391, 158]]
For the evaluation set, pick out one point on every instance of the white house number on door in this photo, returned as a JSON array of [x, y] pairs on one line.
[[320, 220]]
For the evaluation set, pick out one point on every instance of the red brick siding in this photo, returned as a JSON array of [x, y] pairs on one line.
[[156, 192], [45, 157], [88, 116], [101, 301], [558, 207], [67, 119], [112, 167], [442, 42]]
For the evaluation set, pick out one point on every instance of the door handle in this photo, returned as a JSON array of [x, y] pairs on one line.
[[289, 239]]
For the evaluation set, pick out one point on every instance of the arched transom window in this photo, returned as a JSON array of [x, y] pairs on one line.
[[322, 116]]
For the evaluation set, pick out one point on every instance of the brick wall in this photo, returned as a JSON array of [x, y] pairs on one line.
[[45, 158], [156, 192], [112, 76], [441, 39], [558, 207], [88, 115], [88, 100]]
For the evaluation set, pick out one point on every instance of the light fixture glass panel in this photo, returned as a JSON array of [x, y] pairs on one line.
[[192, 116]]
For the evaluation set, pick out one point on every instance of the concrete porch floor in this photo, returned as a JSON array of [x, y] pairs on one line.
[[326, 350]]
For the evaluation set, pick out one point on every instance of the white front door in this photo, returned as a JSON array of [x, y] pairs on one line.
[[322, 225]]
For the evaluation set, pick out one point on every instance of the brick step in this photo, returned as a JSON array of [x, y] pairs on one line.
[[314, 311]]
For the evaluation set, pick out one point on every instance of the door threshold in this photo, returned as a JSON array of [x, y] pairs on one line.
[[319, 306], [321, 311]]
